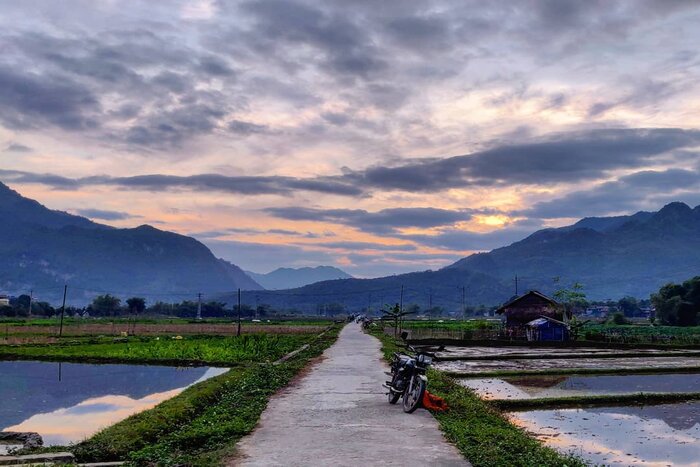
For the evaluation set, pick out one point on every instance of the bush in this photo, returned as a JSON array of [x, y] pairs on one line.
[[619, 318]]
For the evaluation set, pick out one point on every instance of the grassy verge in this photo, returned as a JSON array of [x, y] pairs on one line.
[[552, 403], [572, 371], [480, 431], [200, 426], [190, 350]]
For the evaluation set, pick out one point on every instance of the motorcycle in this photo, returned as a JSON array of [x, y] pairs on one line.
[[408, 379]]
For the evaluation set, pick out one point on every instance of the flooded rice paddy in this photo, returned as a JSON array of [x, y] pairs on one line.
[[516, 351], [67, 402], [657, 435], [472, 366], [532, 386], [641, 436]]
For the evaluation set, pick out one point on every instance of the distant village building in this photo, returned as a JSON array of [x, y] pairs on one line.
[[528, 307], [4, 300], [598, 311]]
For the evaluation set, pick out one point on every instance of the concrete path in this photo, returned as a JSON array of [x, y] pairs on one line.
[[338, 415]]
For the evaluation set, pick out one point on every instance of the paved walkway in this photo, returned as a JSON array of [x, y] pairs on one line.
[[338, 415]]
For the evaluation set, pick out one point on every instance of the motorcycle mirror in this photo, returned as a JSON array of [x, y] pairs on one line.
[[404, 335]]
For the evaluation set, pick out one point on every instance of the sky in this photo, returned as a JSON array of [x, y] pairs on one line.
[[379, 137]]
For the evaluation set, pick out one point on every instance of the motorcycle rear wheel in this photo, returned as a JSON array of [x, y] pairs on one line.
[[412, 399]]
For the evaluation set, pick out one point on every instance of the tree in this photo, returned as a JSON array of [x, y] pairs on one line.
[[629, 306], [136, 305], [571, 299], [619, 318], [106, 305], [678, 304]]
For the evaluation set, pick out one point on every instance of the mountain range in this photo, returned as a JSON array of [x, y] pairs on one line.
[[611, 257], [290, 278], [42, 250]]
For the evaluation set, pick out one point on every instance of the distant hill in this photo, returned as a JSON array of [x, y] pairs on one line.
[[290, 278], [611, 256], [42, 249]]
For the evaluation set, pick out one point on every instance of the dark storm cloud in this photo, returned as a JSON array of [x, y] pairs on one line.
[[215, 66], [417, 32], [205, 182], [105, 214], [641, 190], [563, 158], [245, 231], [344, 45], [169, 128], [384, 221], [28, 100], [54, 181], [243, 128], [17, 147]]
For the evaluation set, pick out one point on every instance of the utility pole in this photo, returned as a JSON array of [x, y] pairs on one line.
[[63, 310], [31, 299], [238, 333], [400, 309], [199, 306], [464, 307]]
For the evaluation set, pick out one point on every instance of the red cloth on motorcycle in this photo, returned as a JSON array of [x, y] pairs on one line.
[[433, 402]]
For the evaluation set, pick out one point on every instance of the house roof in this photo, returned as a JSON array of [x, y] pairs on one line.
[[544, 320], [512, 302]]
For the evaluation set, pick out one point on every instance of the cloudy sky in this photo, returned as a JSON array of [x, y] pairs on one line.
[[377, 136]]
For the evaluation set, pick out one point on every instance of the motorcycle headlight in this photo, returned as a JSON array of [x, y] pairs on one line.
[[425, 360]]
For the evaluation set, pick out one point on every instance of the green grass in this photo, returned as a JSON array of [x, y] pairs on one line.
[[200, 426], [632, 333], [470, 325], [480, 431], [193, 350], [70, 321]]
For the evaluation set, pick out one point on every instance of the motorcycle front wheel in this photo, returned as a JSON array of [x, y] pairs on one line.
[[393, 396], [414, 395]]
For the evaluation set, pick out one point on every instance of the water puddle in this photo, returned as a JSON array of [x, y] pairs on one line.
[[68, 402], [641, 436]]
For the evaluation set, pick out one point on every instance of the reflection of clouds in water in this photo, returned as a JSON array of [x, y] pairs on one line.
[[71, 424], [211, 373], [605, 436], [75, 423]]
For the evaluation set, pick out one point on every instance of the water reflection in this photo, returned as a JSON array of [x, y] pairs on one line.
[[526, 387], [68, 402], [650, 436]]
